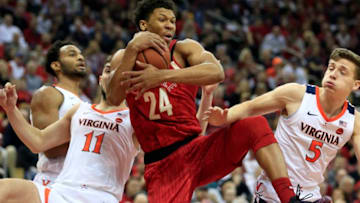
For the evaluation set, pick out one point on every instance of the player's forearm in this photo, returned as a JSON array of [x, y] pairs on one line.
[[28, 134], [202, 74], [116, 92], [205, 103], [239, 111]]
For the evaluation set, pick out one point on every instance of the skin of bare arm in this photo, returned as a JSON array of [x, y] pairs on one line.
[[45, 106], [286, 98], [37, 140]]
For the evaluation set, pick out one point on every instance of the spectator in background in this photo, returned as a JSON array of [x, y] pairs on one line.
[[347, 186], [8, 30], [31, 34], [33, 81], [94, 57], [274, 41], [17, 66], [22, 18], [343, 36], [79, 33], [293, 72]]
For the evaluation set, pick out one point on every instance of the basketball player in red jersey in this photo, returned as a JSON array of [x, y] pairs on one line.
[[163, 114]]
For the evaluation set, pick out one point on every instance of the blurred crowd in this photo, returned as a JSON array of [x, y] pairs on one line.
[[260, 43]]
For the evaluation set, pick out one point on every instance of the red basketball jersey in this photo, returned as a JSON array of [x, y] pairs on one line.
[[164, 115]]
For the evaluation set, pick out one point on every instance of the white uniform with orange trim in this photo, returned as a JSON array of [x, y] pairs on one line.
[[100, 156], [49, 169], [309, 140]]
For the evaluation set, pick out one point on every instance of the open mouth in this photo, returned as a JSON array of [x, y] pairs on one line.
[[82, 66], [167, 37]]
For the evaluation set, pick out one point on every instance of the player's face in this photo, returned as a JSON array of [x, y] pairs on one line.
[[340, 77], [105, 77], [72, 61], [162, 22]]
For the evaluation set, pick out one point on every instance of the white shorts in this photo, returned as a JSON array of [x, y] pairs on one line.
[[45, 179], [47, 195], [61, 193]]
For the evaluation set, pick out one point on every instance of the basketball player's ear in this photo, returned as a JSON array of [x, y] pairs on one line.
[[357, 85], [55, 66], [143, 25], [99, 79]]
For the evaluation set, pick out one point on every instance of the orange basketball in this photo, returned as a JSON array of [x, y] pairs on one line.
[[153, 57]]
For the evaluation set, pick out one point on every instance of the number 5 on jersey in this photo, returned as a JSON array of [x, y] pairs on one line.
[[315, 147], [164, 104]]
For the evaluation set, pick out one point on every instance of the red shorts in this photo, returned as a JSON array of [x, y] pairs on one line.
[[204, 160]]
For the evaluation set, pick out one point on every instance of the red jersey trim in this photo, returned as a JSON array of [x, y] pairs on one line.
[[106, 112], [172, 43], [171, 47], [322, 111], [180, 66]]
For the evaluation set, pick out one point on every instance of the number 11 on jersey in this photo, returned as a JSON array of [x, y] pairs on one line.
[[99, 140]]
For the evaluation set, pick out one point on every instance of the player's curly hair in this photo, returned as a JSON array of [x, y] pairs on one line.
[[53, 55], [339, 53], [145, 7]]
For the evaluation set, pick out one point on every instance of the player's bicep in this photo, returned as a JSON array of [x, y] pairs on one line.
[[45, 108], [196, 54]]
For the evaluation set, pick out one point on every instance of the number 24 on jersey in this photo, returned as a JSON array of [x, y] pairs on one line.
[[164, 104]]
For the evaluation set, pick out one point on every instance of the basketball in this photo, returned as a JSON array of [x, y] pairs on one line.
[[153, 57]]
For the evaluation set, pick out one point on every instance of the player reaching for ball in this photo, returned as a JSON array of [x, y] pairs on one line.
[[163, 113], [315, 123]]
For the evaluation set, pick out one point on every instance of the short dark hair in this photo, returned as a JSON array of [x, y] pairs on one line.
[[339, 53], [53, 55], [145, 7]]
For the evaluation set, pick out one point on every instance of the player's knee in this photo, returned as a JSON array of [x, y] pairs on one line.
[[256, 130], [254, 126], [6, 190]]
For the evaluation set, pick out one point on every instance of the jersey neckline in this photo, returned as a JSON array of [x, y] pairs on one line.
[[93, 106], [322, 112]]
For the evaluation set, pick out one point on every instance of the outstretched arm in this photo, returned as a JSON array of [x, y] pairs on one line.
[[37, 140], [284, 98]]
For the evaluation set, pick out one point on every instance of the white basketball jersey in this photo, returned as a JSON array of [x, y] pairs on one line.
[[49, 169], [309, 140], [101, 151]]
